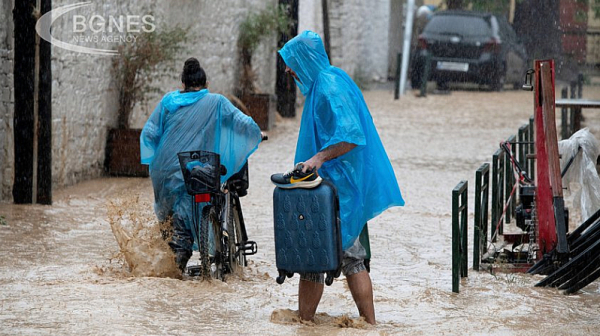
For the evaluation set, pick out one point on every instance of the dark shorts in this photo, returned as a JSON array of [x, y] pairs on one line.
[[353, 261]]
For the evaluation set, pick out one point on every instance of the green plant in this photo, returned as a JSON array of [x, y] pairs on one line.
[[139, 64], [256, 27], [3, 221]]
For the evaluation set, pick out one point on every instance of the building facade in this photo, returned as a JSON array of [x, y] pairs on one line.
[[84, 98]]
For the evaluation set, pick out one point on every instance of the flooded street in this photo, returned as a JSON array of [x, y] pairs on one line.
[[62, 273]]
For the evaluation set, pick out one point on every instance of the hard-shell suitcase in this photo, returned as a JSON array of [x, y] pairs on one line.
[[307, 231]]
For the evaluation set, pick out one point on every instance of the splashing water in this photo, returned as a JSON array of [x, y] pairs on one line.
[[142, 239], [288, 316]]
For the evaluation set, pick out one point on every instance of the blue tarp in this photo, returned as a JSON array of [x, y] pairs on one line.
[[187, 122], [334, 112]]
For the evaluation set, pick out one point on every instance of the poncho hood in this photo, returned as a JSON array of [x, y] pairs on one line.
[[176, 99], [305, 54]]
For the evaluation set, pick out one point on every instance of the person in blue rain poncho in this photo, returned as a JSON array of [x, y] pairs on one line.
[[187, 120], [338, 138]]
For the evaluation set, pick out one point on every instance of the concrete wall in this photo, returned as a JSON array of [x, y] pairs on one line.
[[84, 100], [6, 100], [310, 16], [358, 34]]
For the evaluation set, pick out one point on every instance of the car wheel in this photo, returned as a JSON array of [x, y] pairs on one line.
[[517, 86], [442, 85], [416, 76], [498, 80]]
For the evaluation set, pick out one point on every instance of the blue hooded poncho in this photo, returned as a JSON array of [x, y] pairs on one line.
[[334, 112], [186, 122]]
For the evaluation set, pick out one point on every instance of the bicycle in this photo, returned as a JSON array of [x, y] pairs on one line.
[[217, 217]]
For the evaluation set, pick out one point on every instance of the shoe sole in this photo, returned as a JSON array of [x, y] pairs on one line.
[[304, 184]]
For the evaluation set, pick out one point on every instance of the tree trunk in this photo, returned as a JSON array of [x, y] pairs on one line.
[[247, 79], [285, 87]]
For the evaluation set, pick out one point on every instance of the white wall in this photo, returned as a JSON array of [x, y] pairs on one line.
[[358, 34]]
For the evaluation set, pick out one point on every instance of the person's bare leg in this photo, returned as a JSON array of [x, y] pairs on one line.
[[362, 293], [309, 295]]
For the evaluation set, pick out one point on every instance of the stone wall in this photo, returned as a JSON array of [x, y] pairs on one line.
[[358, 35], [359, 38], [84, 100], [6, 100]]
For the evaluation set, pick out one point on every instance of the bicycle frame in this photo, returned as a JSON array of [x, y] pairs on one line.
[[221, 207], [225, 201]]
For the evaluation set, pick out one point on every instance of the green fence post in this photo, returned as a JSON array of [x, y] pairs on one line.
[[425, 78], [531, 149], [510, 180], [459, 233], [523, 147], [507, 185], [497, 191], [564, 115], [397, 81], [482, 182]]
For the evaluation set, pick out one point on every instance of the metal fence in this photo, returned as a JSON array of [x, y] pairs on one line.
[[503, 201], [460, 216], [480, 227]]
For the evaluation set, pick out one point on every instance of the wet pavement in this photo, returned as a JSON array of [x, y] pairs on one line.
[[62, 271]]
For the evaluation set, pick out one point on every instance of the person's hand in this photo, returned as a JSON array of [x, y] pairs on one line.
[[314, 162]]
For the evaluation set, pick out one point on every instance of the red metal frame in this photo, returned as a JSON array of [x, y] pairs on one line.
[[548, 180]]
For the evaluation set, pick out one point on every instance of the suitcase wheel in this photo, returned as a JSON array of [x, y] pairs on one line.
[[329, 279], [281, 278], [332, 275], [290, 274]]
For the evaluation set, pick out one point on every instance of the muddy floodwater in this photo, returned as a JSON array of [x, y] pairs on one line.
[[65, 270]]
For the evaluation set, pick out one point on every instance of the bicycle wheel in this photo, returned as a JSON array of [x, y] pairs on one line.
[[210, 244], [237, 259]]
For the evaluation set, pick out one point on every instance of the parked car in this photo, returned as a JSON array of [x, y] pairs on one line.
[[464, 46]]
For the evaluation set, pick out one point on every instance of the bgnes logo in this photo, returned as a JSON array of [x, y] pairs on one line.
[[95, 29]]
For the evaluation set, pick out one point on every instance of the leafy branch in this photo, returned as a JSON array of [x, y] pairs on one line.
[[256, 27], [138, 65]]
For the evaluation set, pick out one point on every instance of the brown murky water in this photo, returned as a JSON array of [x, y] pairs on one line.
[[63, 272]]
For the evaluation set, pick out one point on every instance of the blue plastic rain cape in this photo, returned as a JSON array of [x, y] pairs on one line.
[[186, 122], [334, 112]]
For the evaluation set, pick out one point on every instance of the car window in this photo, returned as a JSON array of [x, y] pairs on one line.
[[462, 25], [508, 32]]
